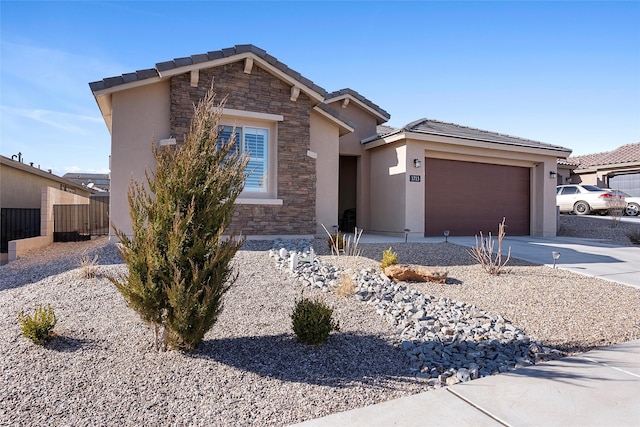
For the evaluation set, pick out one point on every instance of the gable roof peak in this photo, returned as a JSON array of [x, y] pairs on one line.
[[347, 93], [167, 68]]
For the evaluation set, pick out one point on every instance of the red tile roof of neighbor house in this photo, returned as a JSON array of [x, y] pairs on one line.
[[628, 153]]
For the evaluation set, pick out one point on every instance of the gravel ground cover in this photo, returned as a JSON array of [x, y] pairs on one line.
[[100, 369]]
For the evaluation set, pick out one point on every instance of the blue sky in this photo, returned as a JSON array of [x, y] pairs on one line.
[[565, 73]]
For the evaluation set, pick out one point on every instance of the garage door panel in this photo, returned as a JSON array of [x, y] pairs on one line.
[[468, 197]]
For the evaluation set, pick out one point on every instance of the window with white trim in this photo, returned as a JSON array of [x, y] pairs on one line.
[[253, 141]]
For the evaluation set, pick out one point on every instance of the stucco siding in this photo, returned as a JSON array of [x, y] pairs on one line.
[[324, 143], [21, 189], [388, 195], [140, 115]]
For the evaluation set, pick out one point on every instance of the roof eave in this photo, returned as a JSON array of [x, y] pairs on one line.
[[449, 139], [344, 128], [163, 75], [380, 118], [39, 172]]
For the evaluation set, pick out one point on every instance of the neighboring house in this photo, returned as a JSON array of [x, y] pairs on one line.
[[326, 158], [27, 196], [94, 181], [617, 169]]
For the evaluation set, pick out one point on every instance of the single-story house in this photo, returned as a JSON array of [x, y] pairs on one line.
[[27, 197], [326, 158], [617, 169]]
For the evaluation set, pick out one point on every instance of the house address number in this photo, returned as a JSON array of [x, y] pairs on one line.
[[414, 178]]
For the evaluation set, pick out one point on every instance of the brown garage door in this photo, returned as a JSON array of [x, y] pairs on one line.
[[468, 197]]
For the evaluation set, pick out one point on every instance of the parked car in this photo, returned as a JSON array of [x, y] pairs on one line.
[[633, 203], [582, 199]]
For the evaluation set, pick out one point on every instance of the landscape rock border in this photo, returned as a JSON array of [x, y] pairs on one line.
[[447, 341]]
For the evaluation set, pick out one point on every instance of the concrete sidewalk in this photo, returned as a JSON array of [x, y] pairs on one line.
[[597, 388]]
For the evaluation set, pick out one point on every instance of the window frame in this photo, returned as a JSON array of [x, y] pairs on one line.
[[241, 119]]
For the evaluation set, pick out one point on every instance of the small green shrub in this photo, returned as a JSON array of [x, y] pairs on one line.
[[388, 258], [312, 322], [38, 328], [634, 236]]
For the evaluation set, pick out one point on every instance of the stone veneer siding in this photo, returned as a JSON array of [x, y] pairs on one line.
[[296, 177]]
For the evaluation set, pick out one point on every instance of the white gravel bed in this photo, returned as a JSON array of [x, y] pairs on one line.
[[100, 369]]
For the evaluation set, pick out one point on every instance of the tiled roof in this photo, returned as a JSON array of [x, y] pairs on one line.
[[383, 130], [628, 153], [566, 162], [435, 127], [360, 98], [199, 58], [336, 114]]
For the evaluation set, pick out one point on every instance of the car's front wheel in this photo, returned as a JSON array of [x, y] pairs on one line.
[[632, 209], [582, 208]]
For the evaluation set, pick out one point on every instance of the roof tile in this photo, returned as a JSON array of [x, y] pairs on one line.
[[347, 91], [435, 127], [183, 62], [215, 54], [228, 51], [129, 77], [147, 74], [164, 66], [202, 57], [628, 153], [113, 81]]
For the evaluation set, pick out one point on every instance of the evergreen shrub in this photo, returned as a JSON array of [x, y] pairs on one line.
[[39, 327], [179, 255], [312, 321]]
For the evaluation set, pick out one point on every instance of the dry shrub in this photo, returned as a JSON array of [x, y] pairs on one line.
[[483, 254], [616, 204], [88, 266], [342, 244], [347, 287]]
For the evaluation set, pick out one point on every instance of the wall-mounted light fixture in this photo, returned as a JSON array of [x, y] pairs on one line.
[[417, 163], [552, 175]]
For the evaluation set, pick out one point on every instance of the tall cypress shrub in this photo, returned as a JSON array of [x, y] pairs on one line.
[[179, 254]]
